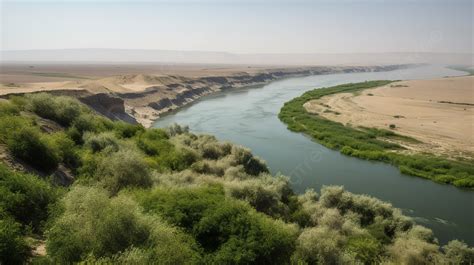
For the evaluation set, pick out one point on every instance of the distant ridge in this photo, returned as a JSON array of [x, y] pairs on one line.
[[209, 57]]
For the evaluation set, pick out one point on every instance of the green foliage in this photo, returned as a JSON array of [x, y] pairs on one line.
[[227, 210], [458, 252], [90, 224], [252, 165], [63, 110], [124, 168], [154, 142], [228, 231], [127, 130], [65, 149], [25, 197], [13, 247], [364, 248], [28, 144], [98, 142], [88, 122], [7, 108], [365, 143]]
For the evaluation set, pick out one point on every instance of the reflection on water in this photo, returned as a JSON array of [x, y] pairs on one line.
[[250, 117]]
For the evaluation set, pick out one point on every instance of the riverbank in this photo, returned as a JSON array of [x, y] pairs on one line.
[[150, 190], [140, 93], [437, 112], [372, 143]]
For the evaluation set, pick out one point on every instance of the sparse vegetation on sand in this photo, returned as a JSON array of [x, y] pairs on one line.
[[167, 196], [370, 143]]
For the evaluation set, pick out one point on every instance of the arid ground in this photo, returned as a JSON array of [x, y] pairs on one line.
[[145, 91], [114, 77], [440, 112]]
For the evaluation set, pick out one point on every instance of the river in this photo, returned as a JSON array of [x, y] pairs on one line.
[[249, 117]]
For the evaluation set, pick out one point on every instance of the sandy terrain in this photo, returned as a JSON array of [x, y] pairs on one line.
[[147, 90], [440, 112]]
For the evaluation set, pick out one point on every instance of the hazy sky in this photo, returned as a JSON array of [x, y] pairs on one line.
[[317, 26]]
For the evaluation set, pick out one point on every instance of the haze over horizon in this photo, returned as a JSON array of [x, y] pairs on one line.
[[240, 27]]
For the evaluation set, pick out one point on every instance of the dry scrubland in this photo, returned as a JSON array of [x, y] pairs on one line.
[[439, 113], [77, 187], [119, 78]]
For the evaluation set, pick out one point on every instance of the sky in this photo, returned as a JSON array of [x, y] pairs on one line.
[[260, 26]]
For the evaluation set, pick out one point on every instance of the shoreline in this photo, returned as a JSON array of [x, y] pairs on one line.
[[371, 143], [158, 113], [437, 112], [144, 95]]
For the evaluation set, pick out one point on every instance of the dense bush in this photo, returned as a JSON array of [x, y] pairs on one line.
[[252, 165], [224, 205], [63, 110], [124, 168], [459, 253], [98, 142], [13, 247], [154, 142], [28, 144], [25, 197], [127, 130], [90, 224], [7, 108], [229, 231], [87, 122]]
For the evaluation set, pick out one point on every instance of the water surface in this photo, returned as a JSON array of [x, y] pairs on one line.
[[250, 117]]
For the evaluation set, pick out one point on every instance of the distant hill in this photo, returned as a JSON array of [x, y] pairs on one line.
[[209, 57]]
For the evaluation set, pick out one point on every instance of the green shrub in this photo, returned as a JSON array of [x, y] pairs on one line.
[[465, 182], [63, 110], [252, 165], [229, 231], [28, 144], [364, 248], [125, 168], [319, 245], [7, 108], [90, 224], [87, 122], [13, 247], [65, 149], [98, 142], [154, 142], [234, 234], [25, 197], [127, 130], [177, 159], [458, 252]]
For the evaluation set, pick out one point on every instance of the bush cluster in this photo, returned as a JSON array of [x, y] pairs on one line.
[[167, 196]]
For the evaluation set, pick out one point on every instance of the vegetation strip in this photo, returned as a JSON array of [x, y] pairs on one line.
[[368, 143]]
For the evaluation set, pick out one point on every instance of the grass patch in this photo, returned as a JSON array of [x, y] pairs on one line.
[[368, 143]]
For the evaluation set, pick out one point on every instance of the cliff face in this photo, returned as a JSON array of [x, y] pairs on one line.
[[146, 106], [108, 105], [143, 98]]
